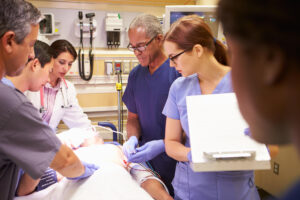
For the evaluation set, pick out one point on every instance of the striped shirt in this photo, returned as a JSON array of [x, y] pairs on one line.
[[49, 100]]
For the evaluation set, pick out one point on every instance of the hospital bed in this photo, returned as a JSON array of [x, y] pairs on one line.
[[111, 181]]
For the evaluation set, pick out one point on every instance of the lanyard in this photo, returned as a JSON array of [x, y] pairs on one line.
[[65, 83], [42, 108]]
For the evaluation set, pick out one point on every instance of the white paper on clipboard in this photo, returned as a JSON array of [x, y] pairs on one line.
[[217, 137]]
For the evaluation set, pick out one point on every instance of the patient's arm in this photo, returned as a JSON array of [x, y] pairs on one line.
[[156, 190], [26, 185]]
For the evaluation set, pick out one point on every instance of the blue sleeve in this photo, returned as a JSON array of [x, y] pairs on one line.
[[7, 82], [128, 97], [171, 109]]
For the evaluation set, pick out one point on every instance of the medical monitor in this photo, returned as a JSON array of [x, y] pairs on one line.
[[47, 24], [206, 12]]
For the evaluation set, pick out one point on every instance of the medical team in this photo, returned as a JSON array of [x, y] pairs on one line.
[[33, 77], [192, 52]]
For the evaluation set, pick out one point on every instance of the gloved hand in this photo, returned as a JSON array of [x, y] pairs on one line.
[[89, 169], [189, 156], [129, 146], [247, 132], [148, 151]]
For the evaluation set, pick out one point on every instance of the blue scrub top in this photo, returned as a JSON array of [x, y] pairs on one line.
[[145, 95], [7, 82], [204, 185]]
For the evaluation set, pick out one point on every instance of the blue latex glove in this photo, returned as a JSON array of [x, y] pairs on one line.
[[129, 146], [148, 151], [189, 156], [247, 132], [89, 169]]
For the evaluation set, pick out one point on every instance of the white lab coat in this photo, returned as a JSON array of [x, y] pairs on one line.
[[73, 117]]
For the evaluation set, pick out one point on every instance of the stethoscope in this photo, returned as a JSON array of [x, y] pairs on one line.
[[66, 103]]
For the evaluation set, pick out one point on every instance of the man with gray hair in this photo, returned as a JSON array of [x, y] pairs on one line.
[[25, 141], [145, 96]]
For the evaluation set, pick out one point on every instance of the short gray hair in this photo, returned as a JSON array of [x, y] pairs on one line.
[[151, 24], [18, 16]]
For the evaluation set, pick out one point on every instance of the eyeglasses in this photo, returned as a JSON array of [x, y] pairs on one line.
[[140, 48], [173, 58]]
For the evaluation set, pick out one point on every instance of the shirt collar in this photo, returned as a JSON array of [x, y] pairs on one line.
[[48, 85]]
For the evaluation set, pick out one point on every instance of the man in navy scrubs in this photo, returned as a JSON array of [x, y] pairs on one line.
[[145, 96]]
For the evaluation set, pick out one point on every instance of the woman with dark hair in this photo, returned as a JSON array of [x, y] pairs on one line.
[[57, 100], [202, 61]]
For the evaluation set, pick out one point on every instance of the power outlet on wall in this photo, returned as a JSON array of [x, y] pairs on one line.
[[108, 64], [276, 168], [126, 66]]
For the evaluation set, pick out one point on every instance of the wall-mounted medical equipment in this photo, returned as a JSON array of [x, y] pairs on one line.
[[206, 12], [92, 32], [113, 28], [85, 24], [47, 24]]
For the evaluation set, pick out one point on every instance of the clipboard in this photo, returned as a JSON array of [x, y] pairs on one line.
[[217, 137]]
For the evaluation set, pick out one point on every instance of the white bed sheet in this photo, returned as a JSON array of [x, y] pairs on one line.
[[110, 182]]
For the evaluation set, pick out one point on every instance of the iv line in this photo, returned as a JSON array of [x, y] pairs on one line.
[[123, 134]]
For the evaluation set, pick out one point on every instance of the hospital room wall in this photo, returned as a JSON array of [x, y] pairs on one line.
[[207, 2], [66, 14], [98, 97]]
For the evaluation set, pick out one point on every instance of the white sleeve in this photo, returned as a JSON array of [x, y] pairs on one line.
[[34, 98], [74, 117]]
